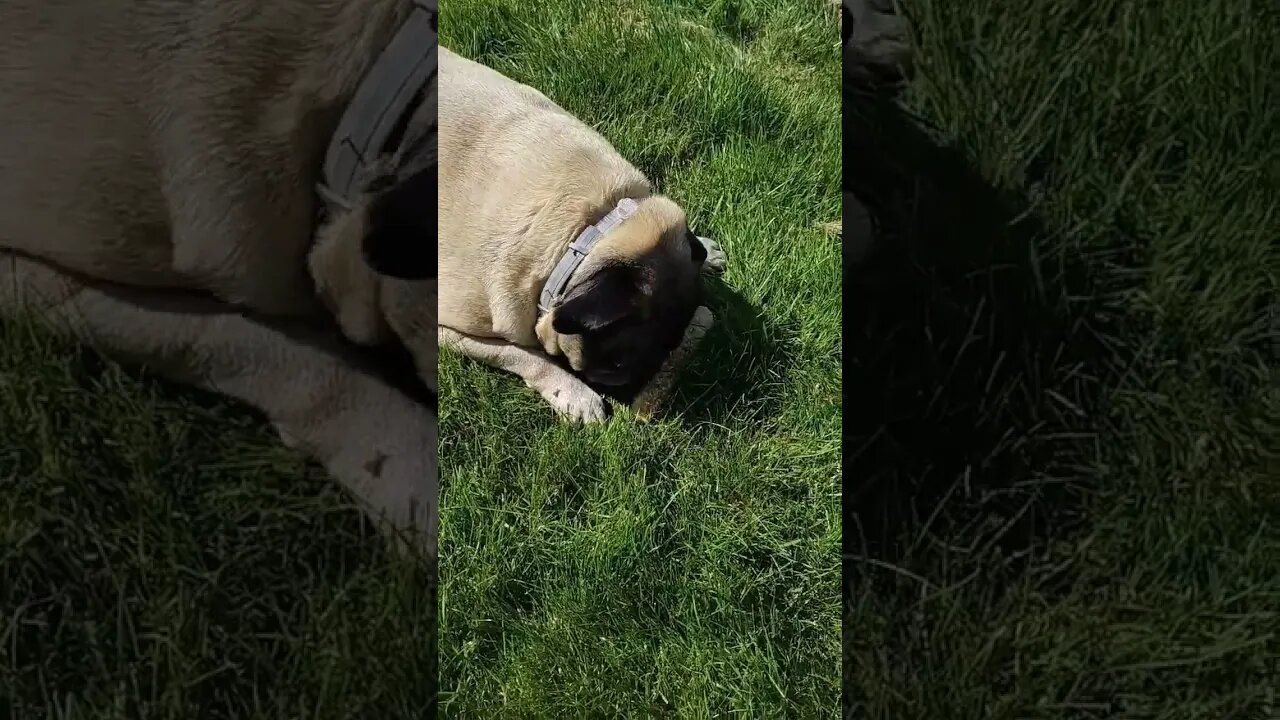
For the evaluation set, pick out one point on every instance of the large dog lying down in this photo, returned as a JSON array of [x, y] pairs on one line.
[[161, 178], [569, 260]]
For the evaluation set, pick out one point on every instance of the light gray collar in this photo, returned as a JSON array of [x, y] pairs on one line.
[[384, 96], [555, 286]]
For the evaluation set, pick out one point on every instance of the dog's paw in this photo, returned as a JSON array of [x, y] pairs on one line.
[[577, 402], [716, 260], [381, 446]]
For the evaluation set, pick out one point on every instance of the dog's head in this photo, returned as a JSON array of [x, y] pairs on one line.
[[627, 305], [876, 43]]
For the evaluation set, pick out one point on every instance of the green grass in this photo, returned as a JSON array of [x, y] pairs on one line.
[[1066, 499], [689, 567], [1063, 495], [161, 556]]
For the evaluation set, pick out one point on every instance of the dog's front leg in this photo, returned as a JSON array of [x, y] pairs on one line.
[[374, 440], [570, 396]]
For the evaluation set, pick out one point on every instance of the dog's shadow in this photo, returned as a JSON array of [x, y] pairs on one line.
[[969, 358], [737, 370]]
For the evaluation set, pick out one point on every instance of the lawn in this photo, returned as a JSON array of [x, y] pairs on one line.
[[1064, 462], [688, 567], [1063, 491], [162, 556]]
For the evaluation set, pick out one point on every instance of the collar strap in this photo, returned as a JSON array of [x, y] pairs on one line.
[[555, 286], [387, 93]]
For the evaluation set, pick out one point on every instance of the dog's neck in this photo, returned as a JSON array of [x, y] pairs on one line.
[[386, 90], [389, 91], [558, 282], [579, 205]]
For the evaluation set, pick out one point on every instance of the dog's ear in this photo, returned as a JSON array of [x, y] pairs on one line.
[[610, 295], [400, 231], [697, 251]]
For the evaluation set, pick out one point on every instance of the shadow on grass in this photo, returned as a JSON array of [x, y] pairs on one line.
[[968, 381], [750, 363]]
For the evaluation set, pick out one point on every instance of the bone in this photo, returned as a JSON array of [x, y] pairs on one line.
[[657, 393]]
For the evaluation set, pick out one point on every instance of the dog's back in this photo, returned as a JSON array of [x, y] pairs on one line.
[[77, 172], [159, 142], [514, 166]]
